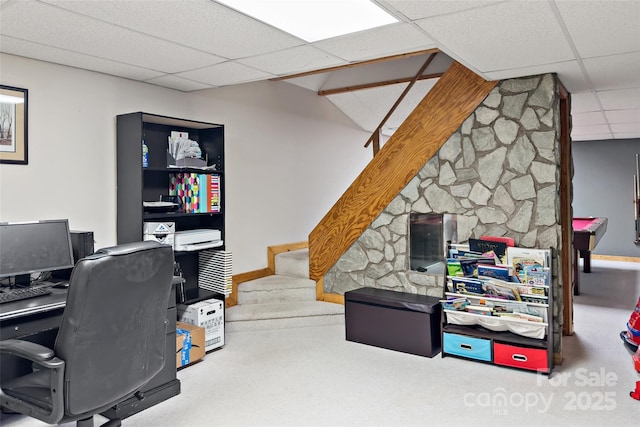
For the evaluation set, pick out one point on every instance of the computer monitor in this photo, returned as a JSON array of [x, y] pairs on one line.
[[34, 247]]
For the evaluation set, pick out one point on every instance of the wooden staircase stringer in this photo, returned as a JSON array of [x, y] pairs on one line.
[[442, 111]]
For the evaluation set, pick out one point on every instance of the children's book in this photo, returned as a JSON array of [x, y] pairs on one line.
[[536, 276], [495, 288], [453, 267], [469, 266], [484, 246], [531, 256], [501, 272], [463, 285]]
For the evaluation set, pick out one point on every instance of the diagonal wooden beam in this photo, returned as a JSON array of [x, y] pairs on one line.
[[401, 97], [357, 64], [377, 84]]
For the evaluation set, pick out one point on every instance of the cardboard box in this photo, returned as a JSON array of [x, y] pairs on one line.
[[159, 228], [208, 314], [161, 232], [189, 344]]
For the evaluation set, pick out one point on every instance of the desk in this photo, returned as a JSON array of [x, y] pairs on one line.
[[587, 232], [34, 319], [38, 319]]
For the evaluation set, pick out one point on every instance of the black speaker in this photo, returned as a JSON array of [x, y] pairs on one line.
[[82, 245]]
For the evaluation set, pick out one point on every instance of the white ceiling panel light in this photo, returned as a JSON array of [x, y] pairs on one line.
[[314, 20]]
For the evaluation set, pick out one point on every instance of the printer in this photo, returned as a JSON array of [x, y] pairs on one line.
[[195, 240]]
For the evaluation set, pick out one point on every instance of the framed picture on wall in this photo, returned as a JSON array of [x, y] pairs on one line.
[[13, 125]]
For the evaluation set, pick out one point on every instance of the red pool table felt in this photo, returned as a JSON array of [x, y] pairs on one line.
[[587, 232]]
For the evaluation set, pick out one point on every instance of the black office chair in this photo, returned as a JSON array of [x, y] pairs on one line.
[[111, 340]]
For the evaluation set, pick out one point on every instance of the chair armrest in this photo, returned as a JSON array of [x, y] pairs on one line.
[[45, 358], [26, 349], [36, 353]]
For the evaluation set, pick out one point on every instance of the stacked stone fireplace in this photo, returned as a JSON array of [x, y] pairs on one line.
[[499, 173]]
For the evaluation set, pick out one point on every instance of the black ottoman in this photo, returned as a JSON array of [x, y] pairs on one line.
[[398, 321]]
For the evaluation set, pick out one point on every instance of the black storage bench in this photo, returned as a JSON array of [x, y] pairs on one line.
[[393, 320]]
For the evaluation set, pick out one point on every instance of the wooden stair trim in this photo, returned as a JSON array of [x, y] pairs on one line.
[[442, 111], [237, 279]]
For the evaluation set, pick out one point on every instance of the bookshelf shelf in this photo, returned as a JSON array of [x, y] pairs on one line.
[[171, 216], [176, 170]]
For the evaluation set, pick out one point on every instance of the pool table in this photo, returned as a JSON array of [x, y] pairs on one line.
[[587, 232]]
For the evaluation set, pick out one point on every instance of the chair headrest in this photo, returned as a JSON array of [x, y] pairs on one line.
[[128, 248]]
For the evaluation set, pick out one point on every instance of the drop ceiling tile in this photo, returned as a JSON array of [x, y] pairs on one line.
[[569, 73], [590, 130], [626, 127], [601, 28], [48, 25], [423, 9], [623, 116], [501, 36], [382, 41], [593, 137], [626, 135], [591, 118], [73, 59], [291, 61], [200, 24], [224, 74], [178, 83], [616, 71], [620, 99], [583, 102]]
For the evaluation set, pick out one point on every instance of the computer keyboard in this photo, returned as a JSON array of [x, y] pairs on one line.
[[20, 294]]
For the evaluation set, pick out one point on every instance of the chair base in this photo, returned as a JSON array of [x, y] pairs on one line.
[[88, 422], [133, 405]]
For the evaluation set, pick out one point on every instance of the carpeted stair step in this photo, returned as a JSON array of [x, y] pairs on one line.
[[286, 299], [293, 263], [283, 315], [276, 289]]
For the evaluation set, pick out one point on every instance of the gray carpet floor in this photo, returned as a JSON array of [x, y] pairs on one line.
[[312, 376]]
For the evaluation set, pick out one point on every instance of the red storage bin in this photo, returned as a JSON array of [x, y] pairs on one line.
[[535, 359]]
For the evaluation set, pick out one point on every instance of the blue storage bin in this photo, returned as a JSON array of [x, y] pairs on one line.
[[465, 346]]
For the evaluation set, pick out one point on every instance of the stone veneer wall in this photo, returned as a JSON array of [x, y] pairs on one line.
[[499, 172]]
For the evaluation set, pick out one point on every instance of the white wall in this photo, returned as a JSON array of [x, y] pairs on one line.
[[289, 153]]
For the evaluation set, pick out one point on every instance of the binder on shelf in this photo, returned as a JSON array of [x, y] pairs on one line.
[[200, 193]]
